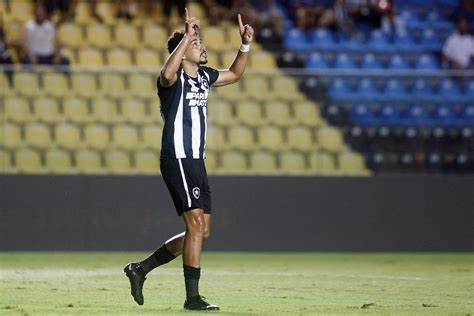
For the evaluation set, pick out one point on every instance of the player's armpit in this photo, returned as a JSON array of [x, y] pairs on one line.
[[164, 82]]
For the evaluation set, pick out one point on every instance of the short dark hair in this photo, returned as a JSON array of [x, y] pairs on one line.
[[174, 40]]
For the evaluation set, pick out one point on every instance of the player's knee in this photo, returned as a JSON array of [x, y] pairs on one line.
[[206, 235], [196, 225]]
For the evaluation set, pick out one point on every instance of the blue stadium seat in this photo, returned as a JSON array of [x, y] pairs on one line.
[[430, 40], [344, 61], [467, 115], [316, 60], [426, 62], [339, 90], [354, 43], [402, 41], [444, 115], [389, 114], [370, 61], [397, 61], [395, 90], [322, 39], [378, 41], [367, 90], [449, 90], [422, 90], [469, 91], [363, 114], [295, 39], [417, 115]]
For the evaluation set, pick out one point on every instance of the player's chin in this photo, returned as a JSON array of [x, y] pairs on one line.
[[203, 61]]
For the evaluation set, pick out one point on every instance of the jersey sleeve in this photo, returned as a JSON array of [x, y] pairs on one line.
[[212, 73]]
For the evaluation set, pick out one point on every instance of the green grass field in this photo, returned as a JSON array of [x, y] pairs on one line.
[[242, 283]]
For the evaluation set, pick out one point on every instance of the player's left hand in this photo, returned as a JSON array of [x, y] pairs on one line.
[[246, 31]]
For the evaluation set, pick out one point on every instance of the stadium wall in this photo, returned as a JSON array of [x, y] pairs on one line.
[[381, 213]]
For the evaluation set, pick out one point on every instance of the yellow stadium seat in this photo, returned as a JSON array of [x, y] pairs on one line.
[[271, 138], [307, 113], [214, 60], [26, 83], [98, 35], [56, 84], [292, 163], [126, 35], [89, 162], [37, 134], [233, 163], [118, 162], [278, 113], [147, 162], [119, 57], [151, 136], [10, 135], [6, 164], [67, 136], [112, 84], [84, 84], [13, 28], [257, 87], [330, 139], [234, 40], [21, 10], [58, 161], [249, 113], [219, 112], [96, 136], [154, 36], [107, 11], [28, 161], [148, 58], [70, 34], [134, 110], [142, 85], [351, 163], [46, 109], [211, 162], [231, 92], [322, 163], [241, 137], [105, 110], [286, 88], [125, 137], [301, 138], [262, 162], [228, 58], [91, 57], [82, 13], [5, 88], [262, 60], [214, 38], [215, 138], [76, 110], [17, 109]]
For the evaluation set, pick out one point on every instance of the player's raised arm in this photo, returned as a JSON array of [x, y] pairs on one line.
[[172, 64], [236, 70]]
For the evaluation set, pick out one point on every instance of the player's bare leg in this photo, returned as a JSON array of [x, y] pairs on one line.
[[195, 232]]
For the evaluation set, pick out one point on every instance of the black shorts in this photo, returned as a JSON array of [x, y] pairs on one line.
[[187, 182]]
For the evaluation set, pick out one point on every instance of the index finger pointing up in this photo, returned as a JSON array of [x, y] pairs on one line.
[[186, 14], [239, 18]]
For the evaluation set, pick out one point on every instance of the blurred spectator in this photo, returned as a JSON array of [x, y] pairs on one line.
[[220, 10], [168, 8], [458, 50], [465, 9], [124, 10], [338, 16], [40, 42], [5, 57], [66, 8]]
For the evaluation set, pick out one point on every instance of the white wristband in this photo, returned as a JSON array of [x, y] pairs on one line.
[[244, 48]]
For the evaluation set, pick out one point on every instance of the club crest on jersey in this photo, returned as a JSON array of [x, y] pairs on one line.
[[196, 193]]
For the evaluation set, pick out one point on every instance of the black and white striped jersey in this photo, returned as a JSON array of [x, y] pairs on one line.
[[184, 110]]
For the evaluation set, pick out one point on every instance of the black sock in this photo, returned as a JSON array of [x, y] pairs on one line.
[[191, 280], [160, 257]]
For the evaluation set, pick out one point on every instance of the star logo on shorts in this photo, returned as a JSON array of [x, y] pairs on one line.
[[196, 193]]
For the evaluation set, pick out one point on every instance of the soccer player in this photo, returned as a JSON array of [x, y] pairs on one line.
[[183, 87]]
